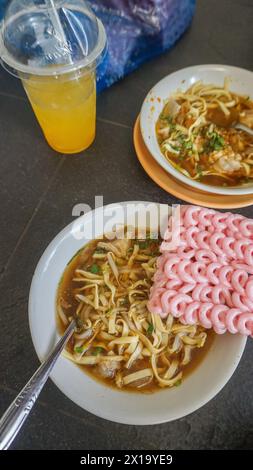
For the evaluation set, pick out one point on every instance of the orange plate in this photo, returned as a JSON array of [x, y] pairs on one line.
[[179, 189]]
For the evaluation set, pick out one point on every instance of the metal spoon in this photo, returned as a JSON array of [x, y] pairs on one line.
[[15, 416]]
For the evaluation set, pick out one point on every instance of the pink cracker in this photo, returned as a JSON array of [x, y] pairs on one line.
[[208, 278]]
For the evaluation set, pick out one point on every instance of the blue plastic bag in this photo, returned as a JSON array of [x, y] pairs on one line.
[[3, 5], [138, 30]]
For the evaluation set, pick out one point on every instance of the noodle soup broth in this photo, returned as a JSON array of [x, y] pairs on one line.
[[119, 342]]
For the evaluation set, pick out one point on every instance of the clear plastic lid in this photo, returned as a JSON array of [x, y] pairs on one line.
[[50, 37]]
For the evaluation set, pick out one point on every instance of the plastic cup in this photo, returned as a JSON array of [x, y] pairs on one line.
[[54, 47], [65, 108]]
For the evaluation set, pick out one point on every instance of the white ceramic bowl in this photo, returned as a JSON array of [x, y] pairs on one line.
[[241, 81], [124, 407]]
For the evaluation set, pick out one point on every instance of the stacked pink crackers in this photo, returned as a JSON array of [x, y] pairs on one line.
[[208, 278]]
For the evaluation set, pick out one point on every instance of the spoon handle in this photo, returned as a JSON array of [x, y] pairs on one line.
[[15, 416]]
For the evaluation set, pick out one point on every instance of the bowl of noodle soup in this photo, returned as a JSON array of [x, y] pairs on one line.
[[115, 365], [197, 124]]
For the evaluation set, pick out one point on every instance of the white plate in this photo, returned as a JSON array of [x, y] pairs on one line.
[[241, 81], [123, 407]]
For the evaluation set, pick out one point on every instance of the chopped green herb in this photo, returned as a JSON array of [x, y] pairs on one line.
[[150, 329], [216, 141], [98, 350], [175, 147], [143, 245], [199, 170], [78, 349], [168, 119], [178, 382], [219, 144], [187, 145], [94, 269]]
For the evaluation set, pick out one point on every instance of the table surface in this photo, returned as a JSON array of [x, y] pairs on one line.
[[38, 191]]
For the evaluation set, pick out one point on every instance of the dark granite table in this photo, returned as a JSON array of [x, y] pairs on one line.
[[38, 191]]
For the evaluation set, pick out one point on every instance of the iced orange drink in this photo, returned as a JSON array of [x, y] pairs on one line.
[[65, 107], [54, 47]]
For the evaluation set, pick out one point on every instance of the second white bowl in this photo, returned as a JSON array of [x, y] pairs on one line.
[[240, 82]]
